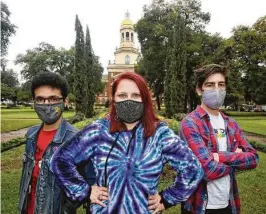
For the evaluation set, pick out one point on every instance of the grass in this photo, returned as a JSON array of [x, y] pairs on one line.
[[252, 185], [26, 113], [255, 124], [16, 124], [15, 119]]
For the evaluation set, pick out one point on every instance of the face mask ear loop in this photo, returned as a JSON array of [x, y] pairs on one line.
[[106, 162]]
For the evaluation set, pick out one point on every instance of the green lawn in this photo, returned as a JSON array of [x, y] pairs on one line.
[[16, 124], [15, 119], [245, 113], [252, 185], [254, 124]]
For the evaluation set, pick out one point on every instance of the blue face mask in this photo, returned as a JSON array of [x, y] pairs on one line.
[[214, 99]]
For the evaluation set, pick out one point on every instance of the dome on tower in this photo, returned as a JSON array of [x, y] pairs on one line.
[[127, 20]]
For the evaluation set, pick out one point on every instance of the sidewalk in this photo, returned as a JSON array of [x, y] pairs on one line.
[[13, 134]]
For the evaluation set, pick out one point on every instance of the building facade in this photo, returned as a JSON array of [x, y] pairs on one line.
[[126, 57]]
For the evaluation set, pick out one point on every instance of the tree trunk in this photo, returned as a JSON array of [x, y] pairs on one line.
[[158, 102]]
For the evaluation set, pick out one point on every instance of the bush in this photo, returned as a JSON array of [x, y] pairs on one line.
[[180, 116], [243, 114], [174, 125], [12, 143], [76, 118], [259, 146]]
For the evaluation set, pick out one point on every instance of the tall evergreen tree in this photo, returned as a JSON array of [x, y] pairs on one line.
[[98, 86], [80, 89], [176, 74], [89, 62]]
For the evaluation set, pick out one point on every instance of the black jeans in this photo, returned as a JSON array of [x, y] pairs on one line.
[[226, 210]]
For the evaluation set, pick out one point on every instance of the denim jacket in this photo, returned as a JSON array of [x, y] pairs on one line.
[[49, 198]]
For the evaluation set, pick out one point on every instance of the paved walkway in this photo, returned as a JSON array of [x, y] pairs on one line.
[[13, 134]]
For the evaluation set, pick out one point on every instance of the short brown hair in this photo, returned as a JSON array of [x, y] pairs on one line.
[[207, 70]]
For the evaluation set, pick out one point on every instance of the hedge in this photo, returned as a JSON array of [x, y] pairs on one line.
[[12, 143], [173, 124]]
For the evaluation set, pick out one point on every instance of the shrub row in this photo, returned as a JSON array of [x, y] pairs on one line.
[[173, 124], [258, 146], [12, 143], [243, 113]]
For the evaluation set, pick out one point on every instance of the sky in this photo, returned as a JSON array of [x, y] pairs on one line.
[[53, 21]]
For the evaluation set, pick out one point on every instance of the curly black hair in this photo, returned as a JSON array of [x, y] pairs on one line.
[[50, 79]]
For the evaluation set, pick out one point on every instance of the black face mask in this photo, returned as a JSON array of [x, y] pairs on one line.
[[129, 111]]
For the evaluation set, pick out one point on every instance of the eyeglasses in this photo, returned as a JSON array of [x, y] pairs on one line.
[[51, 100]]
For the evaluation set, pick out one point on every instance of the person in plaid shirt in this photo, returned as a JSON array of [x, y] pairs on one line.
[[219, 144]]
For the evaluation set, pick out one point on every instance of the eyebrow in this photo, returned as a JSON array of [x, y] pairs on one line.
[[122, 92], [215, 82], [47, 97]]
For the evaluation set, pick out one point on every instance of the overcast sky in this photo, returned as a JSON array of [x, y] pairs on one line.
[[52, 21]]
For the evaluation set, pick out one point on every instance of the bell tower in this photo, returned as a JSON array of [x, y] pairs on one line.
[[126, 56], [127, 32]]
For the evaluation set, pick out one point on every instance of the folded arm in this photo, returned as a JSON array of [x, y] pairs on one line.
[[247, 159], [190, 133]]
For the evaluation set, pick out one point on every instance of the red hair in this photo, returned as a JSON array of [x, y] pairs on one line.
[[149, 119]]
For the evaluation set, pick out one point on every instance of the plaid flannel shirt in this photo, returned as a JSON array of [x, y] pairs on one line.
[[197, 131]]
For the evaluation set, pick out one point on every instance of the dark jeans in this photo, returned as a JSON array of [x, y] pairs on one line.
[[226, 210]]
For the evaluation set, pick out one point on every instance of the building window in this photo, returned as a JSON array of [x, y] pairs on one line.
[[127, 60], [127, 36], [132, 37], [122, 37]]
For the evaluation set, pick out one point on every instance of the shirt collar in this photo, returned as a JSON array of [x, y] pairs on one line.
[[202, 113]]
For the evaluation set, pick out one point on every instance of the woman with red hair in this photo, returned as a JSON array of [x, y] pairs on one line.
[[128, 149]]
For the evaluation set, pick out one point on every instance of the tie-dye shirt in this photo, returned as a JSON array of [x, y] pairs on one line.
[[132, 173]]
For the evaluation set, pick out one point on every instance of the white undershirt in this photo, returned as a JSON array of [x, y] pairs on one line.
[[219, 189]]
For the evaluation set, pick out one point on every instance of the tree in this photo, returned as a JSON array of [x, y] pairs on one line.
[[176, 70], [152, 36], [98, 85], [7, 92], [46, 57], [249, 51], [89, 75], [7, 28], [80, 86], [23, 95], [155, 30], [9, 77]]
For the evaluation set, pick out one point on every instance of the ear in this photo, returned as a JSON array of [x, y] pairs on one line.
[[198, 91]]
